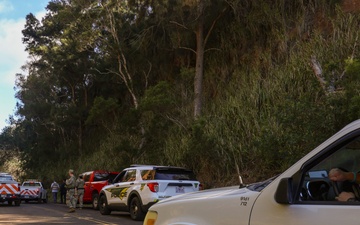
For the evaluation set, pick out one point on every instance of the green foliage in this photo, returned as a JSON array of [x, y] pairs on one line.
[[101, 110], [111, 83], [158, 98]]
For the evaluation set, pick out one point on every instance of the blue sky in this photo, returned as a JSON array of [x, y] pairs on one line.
[[12, 54]]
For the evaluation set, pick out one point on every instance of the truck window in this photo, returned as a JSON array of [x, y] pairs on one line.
[[316, 186], [86, 177], [5, 178], [101, 176], [119, 177], [112, 176], [129, 176], [147, 174]]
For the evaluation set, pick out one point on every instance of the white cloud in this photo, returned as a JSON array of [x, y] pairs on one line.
[[12, 57], [12, 50], [12, 54], [5, 6]]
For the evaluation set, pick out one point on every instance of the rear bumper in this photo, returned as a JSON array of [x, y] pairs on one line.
[[9, 197], [29, 197]]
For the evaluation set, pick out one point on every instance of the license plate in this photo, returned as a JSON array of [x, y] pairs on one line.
[[180, 190], [26, 196]]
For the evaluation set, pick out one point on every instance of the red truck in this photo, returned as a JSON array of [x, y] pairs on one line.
[[94, 182]]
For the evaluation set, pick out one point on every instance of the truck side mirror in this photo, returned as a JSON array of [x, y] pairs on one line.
[[283, 194]]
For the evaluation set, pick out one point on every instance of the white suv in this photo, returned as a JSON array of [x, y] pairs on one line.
[[138, 187]]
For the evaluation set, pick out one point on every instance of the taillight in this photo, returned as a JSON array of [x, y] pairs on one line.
[[37, 191], [154, 187]]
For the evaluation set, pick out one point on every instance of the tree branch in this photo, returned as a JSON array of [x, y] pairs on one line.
[[213, 25], [179, 24]]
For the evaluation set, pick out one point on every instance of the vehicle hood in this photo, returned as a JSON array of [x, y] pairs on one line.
[[206, 207], [210, 193]]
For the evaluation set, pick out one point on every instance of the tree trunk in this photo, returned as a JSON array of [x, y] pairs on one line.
[[199, 70]]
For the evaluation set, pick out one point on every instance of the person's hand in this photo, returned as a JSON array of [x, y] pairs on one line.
[[337, 175], [344, 196]]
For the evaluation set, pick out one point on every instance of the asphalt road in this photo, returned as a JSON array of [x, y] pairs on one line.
[[51, 213]]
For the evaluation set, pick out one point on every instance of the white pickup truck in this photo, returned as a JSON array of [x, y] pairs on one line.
[[303, 194], [33, 190], [9, 189]]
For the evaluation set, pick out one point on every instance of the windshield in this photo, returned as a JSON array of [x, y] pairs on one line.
[[32, 184], [174, 175], [5, 177], [259, 186], [168, 174], [101, 176]]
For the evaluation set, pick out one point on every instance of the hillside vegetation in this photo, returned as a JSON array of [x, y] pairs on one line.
[[211, 85]]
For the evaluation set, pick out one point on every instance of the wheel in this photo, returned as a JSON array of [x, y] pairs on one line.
[[27, 201], [9, 202], [103, 206], [135, 209], [95, 201], [17, 202]]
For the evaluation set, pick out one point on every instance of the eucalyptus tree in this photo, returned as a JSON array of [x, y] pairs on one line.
[[127, 34], [57, 92], [190, 24]]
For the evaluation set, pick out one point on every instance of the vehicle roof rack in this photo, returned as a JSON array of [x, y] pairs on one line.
[[137, 165]]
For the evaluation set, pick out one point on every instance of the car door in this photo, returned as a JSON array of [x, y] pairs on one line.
[[312, 194], [120, 190], [87, 187]]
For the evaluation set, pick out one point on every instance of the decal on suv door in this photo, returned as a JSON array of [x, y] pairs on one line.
[[118, 192]]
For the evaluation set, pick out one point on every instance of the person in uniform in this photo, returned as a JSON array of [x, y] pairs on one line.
[[80, 190], [71, 191]]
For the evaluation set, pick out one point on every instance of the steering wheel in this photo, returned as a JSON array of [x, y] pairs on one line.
[[318, 190], [347, 186], [335, 187]]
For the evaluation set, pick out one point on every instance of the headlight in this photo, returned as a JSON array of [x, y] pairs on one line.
[[150, 218]]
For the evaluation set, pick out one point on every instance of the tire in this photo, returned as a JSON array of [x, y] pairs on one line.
[[9, 202], [95, 201], [17, 202], [103, 206], [135, 209]]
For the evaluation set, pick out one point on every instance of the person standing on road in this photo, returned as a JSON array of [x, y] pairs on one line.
[[71, 192], [55, 189], [80, 190], [63, 192]]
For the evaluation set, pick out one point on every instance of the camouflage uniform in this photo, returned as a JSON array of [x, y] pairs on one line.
[[71, 192], [80, 190]]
